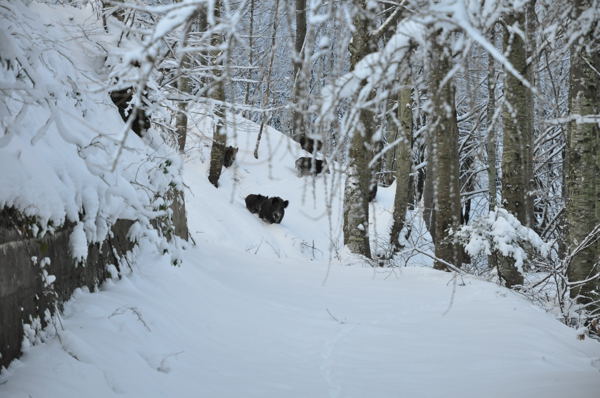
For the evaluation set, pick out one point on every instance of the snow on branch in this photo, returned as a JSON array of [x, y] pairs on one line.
[[382, 67], [501, 232]]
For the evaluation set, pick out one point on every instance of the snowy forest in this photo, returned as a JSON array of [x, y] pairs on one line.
[[300, 198]]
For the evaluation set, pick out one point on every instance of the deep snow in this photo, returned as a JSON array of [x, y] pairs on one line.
[[254, 310], [250, 314]]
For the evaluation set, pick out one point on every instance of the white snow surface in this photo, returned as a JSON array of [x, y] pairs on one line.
[[254, 310], [248, 314]]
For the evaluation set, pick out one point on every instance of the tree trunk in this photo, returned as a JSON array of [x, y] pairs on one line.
[[491, 142], [491, 138], [356, 201], [299, 83], [530, 185], [444, 140], [517, 130], [403, 166], [300, 34], [428, 205], [356, 191], [250, 55], [583, 146], [217, 93], [184, 88], [389, 158], [516, 156]]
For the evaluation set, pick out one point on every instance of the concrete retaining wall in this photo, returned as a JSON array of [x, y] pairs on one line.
[[22, 292]]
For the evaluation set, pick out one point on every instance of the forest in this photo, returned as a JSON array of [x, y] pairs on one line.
[[330, 173]]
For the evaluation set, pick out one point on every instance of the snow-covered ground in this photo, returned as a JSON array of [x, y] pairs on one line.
[[256, 310]]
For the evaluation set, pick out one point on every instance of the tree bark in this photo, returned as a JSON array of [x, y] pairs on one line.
[[492, 143], [530, 184], [298, 63], [250, 54], [356, 201], [516, 155], [389, 158], [356, 190], [583, 146], [184, 88], [517, 130], [217, 93], [300, 34], [444, 140], [428, 205], [491, 138], [403, 166]]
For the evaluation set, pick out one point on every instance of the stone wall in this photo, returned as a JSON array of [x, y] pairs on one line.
[[22, 292]]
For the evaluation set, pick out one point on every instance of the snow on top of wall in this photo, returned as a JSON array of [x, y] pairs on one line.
[[60, 131]]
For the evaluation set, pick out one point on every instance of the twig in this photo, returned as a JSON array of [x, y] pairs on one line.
[[333, 317]]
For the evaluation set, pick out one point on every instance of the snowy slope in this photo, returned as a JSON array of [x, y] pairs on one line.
[[65, 153], [308, 229], [248, 315]]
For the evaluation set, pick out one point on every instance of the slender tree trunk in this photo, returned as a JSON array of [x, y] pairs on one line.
[[356, 201], [491, 138], [492, 142], [356, 191], [217, 93], [183, 85], [403, 166], [530, 185], [517, 129], [389, 158], [517, 145], [428, 205], [386, 165], [298, 63], [300, 34], [250, 54], [582, 181], [444, 139], [184, 88]]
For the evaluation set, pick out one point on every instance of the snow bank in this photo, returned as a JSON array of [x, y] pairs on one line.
[[229, 323], [61, 132]]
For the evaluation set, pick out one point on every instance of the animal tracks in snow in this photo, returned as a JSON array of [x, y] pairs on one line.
[[327, 357]]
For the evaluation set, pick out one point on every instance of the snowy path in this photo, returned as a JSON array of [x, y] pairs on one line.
[[227, 324]]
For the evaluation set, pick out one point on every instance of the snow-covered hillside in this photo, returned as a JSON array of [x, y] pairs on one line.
[[251, 313], [66, 154], [312, 226]]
